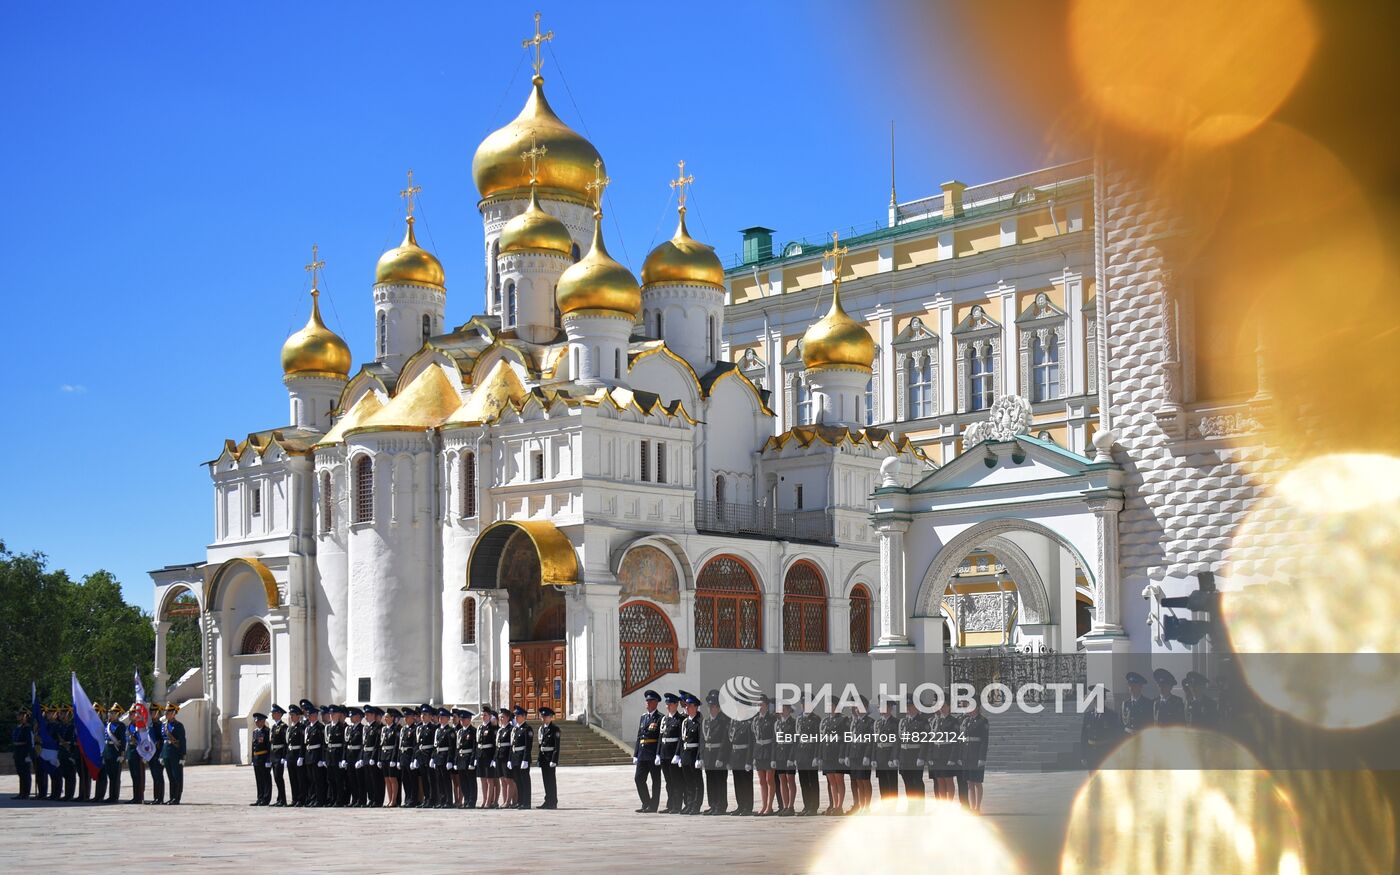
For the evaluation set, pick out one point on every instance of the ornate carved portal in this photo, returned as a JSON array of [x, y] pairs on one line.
[[537, 675], [537, 654]]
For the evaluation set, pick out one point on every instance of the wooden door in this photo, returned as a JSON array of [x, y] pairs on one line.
[[537, 676]]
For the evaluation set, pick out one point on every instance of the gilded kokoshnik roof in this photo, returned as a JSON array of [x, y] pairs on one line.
[[292, 441], [423, 404], [501, 388], [367, 406], [834, 435]]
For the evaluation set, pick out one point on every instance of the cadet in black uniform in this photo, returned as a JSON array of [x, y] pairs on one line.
[[646, 756], [426, 737], [670, 754], [355, 755], [113, 747], [466, 760], [172, 753], [784, 761], [834, 727], [745, 757], [277, 760], [388, 754], [1101, 730], [692, 735], [372, 777], [336, 764], [808, 751], [887, 750], [406, 747], [505, 735], [259, 751], [522, 750], [486, 758], [913, 729], [1201, 710], [296, 754], [860, 754], [977, 733], [763, 762], [314, 774], [1168, 710], [1137, 709], [714, 756], [941, 753], [550, 738], [22, 747], [444, 755]]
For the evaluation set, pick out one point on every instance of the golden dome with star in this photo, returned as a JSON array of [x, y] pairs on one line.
[[315, 350], [536, 231], [837, 340], [597, 284], [409, 264], [566, 169], [683, 259]]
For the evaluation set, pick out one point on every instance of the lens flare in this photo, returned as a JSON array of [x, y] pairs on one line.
[[1194, 71], [944, 836], [1326, 543], [1177, 801]]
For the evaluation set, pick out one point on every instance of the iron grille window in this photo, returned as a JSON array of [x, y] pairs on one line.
[[860, 619], [257, 500], [468, 620], [644, 461], [364, 489], [383, 335], [660, 462], [728, 607], [364, 689], [469, 485], [804, 609], [510, 303], [427, 326], [256, 640], [648, 645], [537, 465], [799, 496]]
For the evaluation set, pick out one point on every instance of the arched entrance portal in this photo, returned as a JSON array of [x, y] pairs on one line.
[[528, 563]]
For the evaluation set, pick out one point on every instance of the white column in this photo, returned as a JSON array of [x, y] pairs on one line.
[[1107, 618], [1010, 355], [162, 628], [1074, 344], [885, 389], [947, 363], [838, 618], [1066, 613], [892, 584]]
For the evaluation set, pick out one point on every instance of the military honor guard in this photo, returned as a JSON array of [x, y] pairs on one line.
[[277, 758], [389, 758], [763, 735], [109, 781], [670, 754], [505, 734], [486, 759], [692, 735], [68, 759], [1137, 708], [155, 764], [646, 755], [406, 750], [550, 739], [260, 755], [808, 756], [522, 749], [22, 749], [1201, 710], [1169, 709], [785, 762], [135, 766], [296, 753], [714, 755], [172, 753], [833, 757], [313, 771], [910, 752]]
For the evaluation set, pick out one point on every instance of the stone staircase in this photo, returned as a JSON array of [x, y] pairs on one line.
[[582, 745], [1044, 742]]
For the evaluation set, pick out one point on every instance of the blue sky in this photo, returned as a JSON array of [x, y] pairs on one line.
[[166, 171]]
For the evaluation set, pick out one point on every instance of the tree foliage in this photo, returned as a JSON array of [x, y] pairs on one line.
[[51, 625]]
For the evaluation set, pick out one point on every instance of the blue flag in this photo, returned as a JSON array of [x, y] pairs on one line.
[[48, 747]]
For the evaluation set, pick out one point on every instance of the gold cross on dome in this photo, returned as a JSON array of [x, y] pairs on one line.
[[596, 187], [836, 253], [408, 193], [681, 182], [536, 41], [532, 156], [312, 268]]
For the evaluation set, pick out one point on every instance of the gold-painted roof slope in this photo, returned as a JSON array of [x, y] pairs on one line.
[[536, 231], [500, 388], [315, 350], [837, 340], [410, 264], [683, 259], [363, 409], [598, 284], [566, 170], [424, 403]]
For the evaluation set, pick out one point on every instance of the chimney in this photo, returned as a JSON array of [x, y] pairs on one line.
[[758, 244], [953, 199]]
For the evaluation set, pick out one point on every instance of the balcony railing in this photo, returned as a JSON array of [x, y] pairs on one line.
[[754, 520]]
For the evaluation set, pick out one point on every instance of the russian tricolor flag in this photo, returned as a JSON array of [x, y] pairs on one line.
[[89, 729]]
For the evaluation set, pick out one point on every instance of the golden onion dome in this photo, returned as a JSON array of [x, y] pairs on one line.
[[536, 231], [837, 340], [683, 259], [597, 283], [566, 169], [315, 350], [409, 264]]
